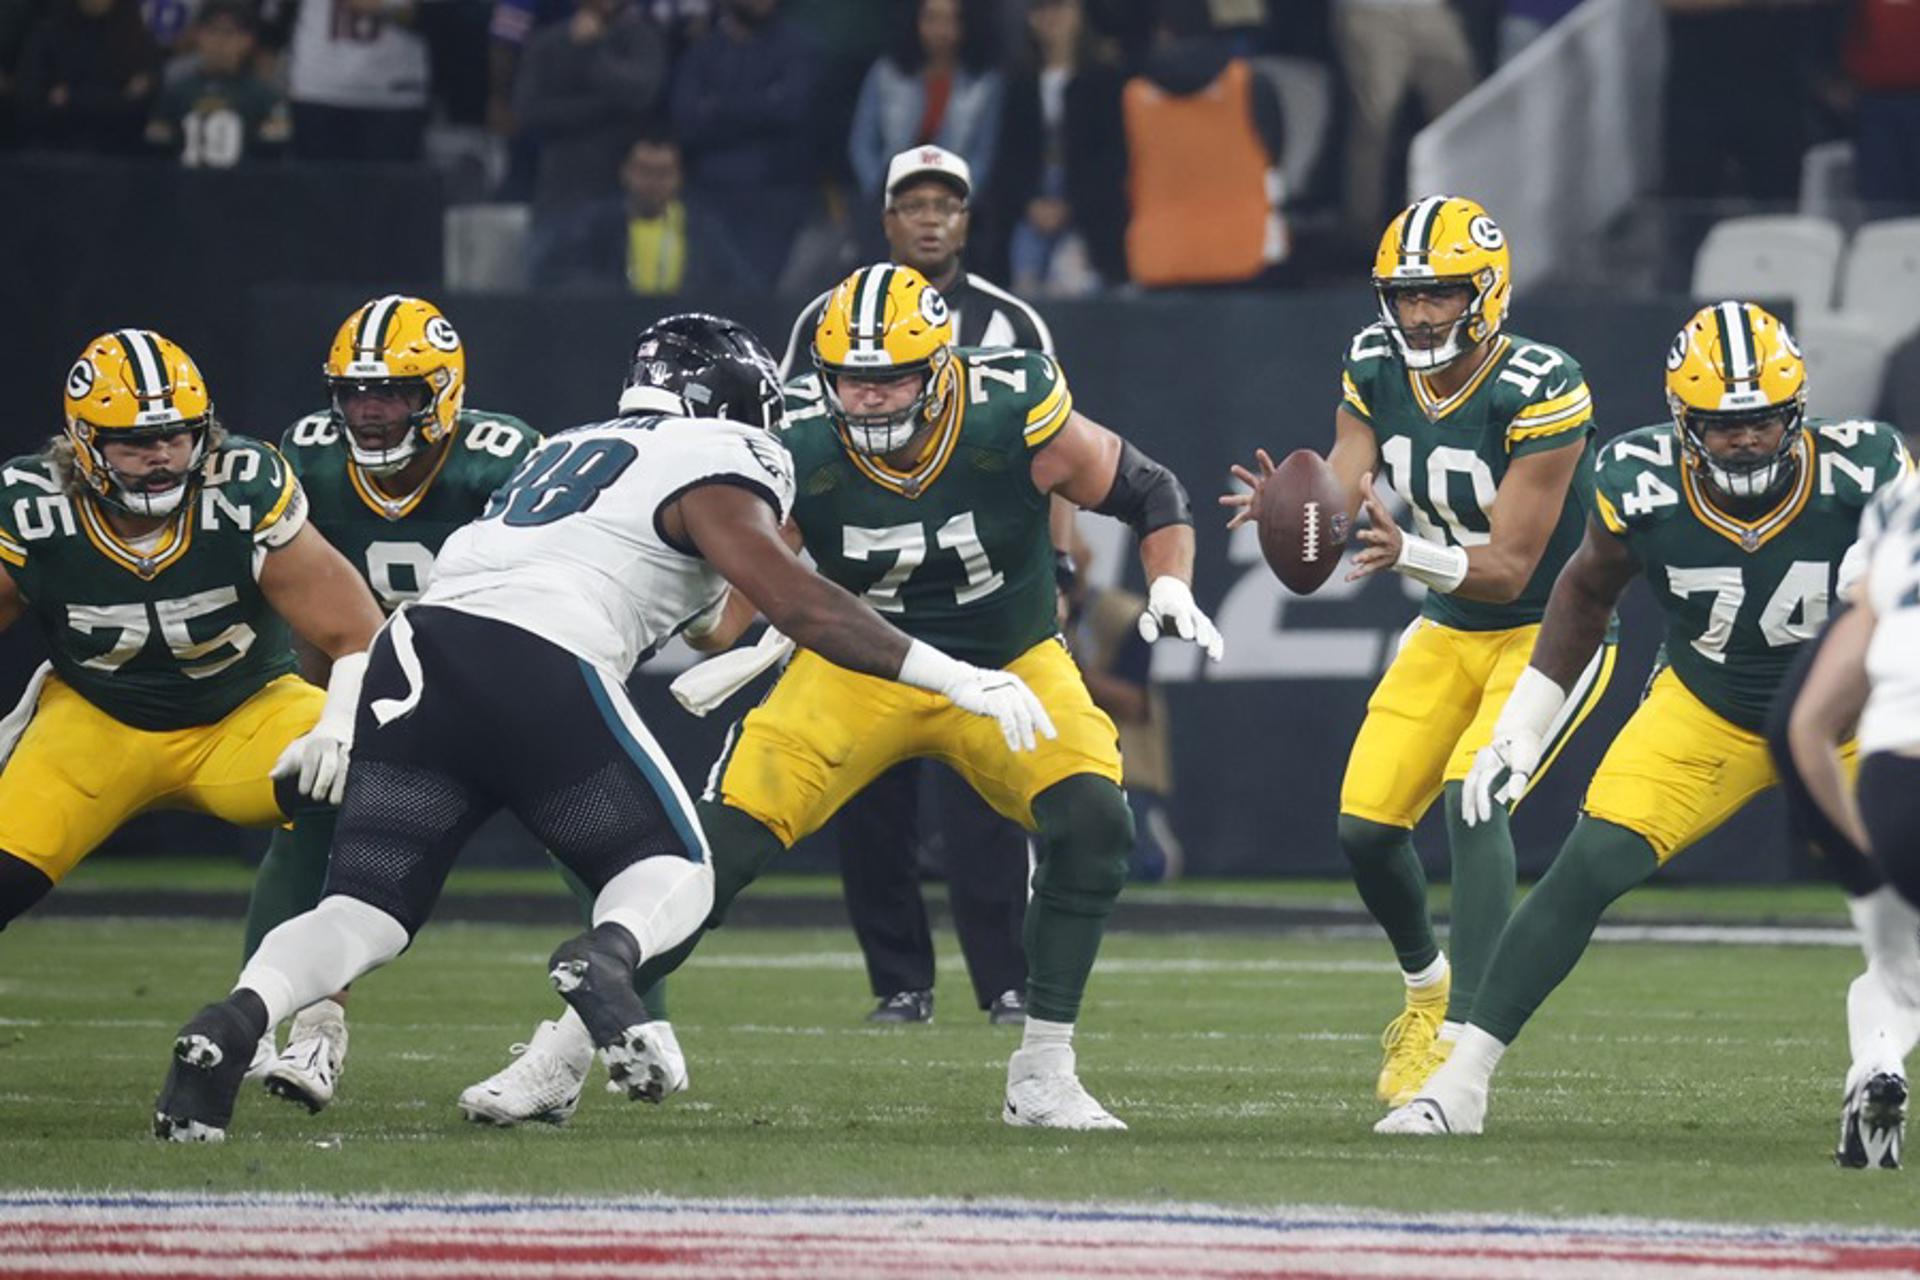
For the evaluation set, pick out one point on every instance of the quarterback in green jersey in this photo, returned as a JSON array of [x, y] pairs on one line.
[[1740, 514], [1487, 437], [923, 476], [163, 561]]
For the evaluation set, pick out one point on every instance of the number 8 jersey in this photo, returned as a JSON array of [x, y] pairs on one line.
[[1447, 457], [571, 547], [1741, 595]]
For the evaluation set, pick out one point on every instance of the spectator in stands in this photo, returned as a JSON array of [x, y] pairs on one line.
[[1525, 21], [220, 113], [1061, 196], [1882, 59], [1204, 141], [584, 91], [936, 86], [1389, 48], [648, 236], [171, 23], [744, 111], [358, 77], [87, 75]]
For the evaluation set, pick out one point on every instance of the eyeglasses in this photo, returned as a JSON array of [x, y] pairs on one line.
[[938, 206]]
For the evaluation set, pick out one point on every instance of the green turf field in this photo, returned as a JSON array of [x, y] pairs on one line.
[[1668, 1081]]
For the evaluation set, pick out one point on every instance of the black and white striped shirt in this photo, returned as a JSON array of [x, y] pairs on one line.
[[984, 315]]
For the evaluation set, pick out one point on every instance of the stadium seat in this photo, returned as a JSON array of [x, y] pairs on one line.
[[1882, 278], [1765, 258], [1846, 364], [486, 247], [1826, 183], [1306, 109]]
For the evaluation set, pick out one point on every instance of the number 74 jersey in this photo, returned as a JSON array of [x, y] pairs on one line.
[[1446, 456], [1741, 595]]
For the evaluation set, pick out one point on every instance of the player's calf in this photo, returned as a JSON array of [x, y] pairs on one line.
[[208, 1065]]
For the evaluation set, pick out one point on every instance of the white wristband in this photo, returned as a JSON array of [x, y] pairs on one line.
[[343, 695], [1532, 705], [1440, 567], [925, 667]]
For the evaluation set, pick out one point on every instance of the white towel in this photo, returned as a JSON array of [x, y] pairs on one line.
[[15, 723], [705, 686]]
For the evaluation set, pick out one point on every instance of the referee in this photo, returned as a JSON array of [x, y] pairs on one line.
[[881, 829]]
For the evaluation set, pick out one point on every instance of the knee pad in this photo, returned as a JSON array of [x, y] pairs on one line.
[[1086, 836]]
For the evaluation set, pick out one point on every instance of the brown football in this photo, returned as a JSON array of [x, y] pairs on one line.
[[1302, 516]]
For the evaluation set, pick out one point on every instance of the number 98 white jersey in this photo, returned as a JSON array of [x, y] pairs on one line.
[[571, 547], [1890, 536]]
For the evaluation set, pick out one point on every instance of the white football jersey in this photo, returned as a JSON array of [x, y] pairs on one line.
[[1890, 535], [571, 548], [340, 58]]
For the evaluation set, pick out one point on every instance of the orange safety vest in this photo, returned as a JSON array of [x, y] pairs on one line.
[[1198, 179]]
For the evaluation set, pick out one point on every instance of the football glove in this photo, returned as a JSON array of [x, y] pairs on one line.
[[1502, 768], [321, 755], [1170, 607]]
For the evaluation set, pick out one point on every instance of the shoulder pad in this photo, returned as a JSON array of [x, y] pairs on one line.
[[1030, 383], [492, 445], [33, 505], [251, 482]]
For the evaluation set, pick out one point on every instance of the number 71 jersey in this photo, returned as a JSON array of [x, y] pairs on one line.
[[1741, 595], [1446, 457]]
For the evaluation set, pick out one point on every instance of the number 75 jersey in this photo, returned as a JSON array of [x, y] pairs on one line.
[[1741, 595], [1446, 456]]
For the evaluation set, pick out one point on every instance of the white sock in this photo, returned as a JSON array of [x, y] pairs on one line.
[[317, 954], [659, 900], [1041, 1034], [1470, 1065], [1450, 1031], [1427, 977], [1880, 1030]]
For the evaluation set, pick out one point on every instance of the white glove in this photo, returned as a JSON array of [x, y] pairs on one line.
[[321, 755], [1170, 607], [983, 691], [1502, 768], [1890, 936]]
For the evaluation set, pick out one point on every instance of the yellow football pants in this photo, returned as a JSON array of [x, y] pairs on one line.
[[1436, 706], [77, 773], [824, 733], [1678, 769]]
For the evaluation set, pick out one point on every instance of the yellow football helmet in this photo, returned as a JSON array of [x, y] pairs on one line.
[[1735, 365], [882, 322], [1445, 240], [130, 386], [404, 344]]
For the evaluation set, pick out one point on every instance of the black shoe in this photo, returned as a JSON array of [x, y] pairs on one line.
[[1871, 1123], [209, 1064], [598, 983], [904, 1006], [1009, 1008]]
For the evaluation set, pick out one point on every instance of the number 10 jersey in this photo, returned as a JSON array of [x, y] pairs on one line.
[[1446, 457]]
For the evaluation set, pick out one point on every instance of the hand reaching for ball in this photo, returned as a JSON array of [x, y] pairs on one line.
[[1382, 535]]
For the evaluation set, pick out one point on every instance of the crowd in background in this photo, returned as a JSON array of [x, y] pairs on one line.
[[696, 144]]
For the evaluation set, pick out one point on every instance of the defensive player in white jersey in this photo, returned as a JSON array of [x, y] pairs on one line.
[[1864, 674], [503, 688]]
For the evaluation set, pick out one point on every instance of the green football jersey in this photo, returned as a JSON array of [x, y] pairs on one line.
[[955, 552], [392, 541], [167, 635], [1741, 595], [1447, 457]]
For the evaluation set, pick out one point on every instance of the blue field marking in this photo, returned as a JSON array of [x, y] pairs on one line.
[[1314, 1218]]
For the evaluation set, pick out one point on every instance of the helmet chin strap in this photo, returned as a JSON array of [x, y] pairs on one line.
[[384, 462], [883, 438], [142, 502], [1428, 359], [1756, 482]]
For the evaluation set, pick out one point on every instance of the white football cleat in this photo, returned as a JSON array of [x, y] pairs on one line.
[[1872, 1120], [1429, 1116], [672, 1060], [1044, 1093], [543, 1081], [263, 1055], [316, 1053]]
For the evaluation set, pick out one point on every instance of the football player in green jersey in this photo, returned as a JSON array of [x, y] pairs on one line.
[[1740, 515], [163, 561], [1487, 437], [393, 466], [923, 474]]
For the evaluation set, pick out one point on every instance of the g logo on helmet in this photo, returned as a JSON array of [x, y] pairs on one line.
[[933, 307], [1677, 353], [440, 335], [80, 379], [1486, 233]]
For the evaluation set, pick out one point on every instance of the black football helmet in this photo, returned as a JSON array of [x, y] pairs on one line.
[[703, 366]]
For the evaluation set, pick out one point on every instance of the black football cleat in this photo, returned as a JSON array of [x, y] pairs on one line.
[[210, 1059], [597, 982], [1009, 1008], [1871, 1123], [903, 1007]]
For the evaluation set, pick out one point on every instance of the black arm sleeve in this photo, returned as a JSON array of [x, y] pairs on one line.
[[1145, 494]]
